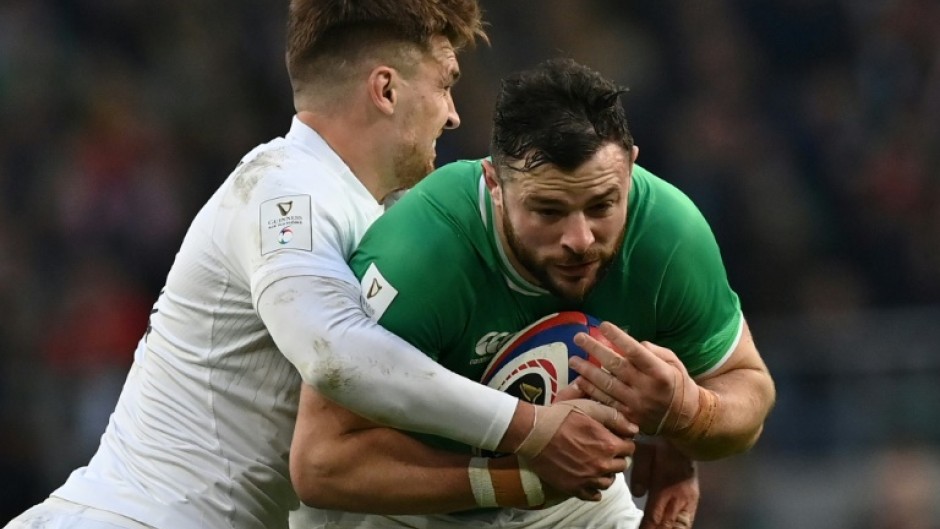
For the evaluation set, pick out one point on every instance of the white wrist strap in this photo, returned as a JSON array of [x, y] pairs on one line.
[[504, 487], [531, 485], [481, 483]]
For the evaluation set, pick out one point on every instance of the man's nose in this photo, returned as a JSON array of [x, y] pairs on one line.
[[577, 236]]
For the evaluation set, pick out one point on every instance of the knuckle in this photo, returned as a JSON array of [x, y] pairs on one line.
[[609, 383], [663, 379]]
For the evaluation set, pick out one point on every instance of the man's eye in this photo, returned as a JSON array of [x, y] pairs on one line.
[[602, 208], [547, 212]]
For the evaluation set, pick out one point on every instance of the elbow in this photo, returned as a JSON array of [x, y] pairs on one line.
[[327, 380], [766, 404], [749, 442], [303, 477], [723, 448], [331, 374], [314, 481], [741, 443], [765, 397], [744, 441]]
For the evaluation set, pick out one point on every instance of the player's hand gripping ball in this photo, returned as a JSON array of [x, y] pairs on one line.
[[533, 365]]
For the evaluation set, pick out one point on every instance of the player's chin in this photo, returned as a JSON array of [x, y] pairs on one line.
[[409, 178], [573, 290], [427, 167], [569, 278]]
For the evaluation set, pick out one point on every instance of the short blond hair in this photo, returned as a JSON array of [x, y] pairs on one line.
[[327, 39]]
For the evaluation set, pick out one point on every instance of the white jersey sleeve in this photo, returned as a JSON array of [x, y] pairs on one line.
[[357, 363]]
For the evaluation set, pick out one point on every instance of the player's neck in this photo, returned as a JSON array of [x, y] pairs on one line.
[[347, 138]]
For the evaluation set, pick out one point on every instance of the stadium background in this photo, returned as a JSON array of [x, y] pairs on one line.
[[807, 130]]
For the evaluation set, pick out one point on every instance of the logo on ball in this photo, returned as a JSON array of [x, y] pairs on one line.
[[533, 364]]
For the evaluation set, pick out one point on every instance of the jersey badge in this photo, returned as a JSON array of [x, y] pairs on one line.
[[286, 223], [377, 292]]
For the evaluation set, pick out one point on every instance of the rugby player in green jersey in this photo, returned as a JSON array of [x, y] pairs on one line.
[[560, 218]]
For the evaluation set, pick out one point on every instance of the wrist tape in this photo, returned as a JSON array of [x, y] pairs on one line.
[[677, 386], [544, 428], [704, 417], [504, 487], [700, 422]]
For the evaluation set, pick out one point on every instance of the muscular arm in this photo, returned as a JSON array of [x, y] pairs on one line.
[[745, 393], [342, 461], [650, 386]]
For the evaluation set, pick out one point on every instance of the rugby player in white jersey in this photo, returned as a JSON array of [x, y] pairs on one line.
[[260, 297]]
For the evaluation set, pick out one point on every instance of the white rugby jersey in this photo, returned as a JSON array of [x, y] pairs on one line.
[[201, 433]]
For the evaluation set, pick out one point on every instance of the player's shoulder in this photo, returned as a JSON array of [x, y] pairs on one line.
[[656, 203], [465, 168], [658, 191], [453, 181], [436, 222], [281, 168], [443, 204]]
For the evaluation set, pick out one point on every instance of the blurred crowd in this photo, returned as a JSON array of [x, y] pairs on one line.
[[808, 131]]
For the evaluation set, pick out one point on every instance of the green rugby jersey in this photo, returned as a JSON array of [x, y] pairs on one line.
[[433, 271]]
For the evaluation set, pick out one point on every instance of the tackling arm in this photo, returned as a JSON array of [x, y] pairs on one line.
[[342, 461], [320, 326]]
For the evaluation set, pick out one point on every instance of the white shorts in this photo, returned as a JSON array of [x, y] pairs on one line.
[[56, 513], [615, 511]]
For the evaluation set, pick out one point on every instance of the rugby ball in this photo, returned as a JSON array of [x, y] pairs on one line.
[[533, 364]]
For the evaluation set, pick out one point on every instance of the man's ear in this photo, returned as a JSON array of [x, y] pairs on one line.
[[489, 175], [634, 154], [383, 88], [492, 182]]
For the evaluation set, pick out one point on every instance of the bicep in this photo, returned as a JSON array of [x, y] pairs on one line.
[[744, 356], [321, 444], [744, 376], [321, 420], [698, 314]]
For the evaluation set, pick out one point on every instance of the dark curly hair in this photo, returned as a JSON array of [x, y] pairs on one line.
[[560, 112]]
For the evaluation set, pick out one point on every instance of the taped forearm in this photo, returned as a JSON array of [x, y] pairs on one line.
[[342, 461], [380, 471], [728, 417], [505, 482], [319, 325], [383, 471]]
